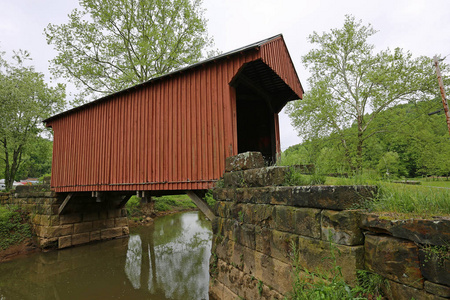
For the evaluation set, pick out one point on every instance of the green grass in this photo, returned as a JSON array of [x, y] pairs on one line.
[[414, 200], [417, 201], [173, 202], [14, 226], [435, 183], [163, 203]]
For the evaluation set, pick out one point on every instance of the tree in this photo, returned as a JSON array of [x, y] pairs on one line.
[[350, 86], [25, 100], [111, 45], [390, 166]]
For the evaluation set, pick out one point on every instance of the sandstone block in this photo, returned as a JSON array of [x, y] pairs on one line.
[[435, 265], [244, 161], [434, 232], [90, 216], [70, 218], [223, 209], [56, 231], [394, 259], [261, 214], [437, 289], [122, 221], [273, 272], [342, 227], [80, 238], [330, 197], [316, 255], [50, 220], [224, 249], [217, 225], [125, 230], [82, 227], [218, 291], [65, 241], [263, 237], [280, 195], [399, 291], [246, 286], [270, 176], [245, 235], [284, 218], [36, 219], [234, 180], [223, 194], [94, 235], [102, 224], [111, 233], [48, 243], [281, 245], [307, 222], [114, 213]]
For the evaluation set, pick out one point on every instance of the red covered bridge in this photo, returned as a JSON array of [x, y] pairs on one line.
[[173, 133]]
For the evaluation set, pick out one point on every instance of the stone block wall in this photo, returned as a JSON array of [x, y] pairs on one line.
[[411, 254], [83, 220], [258, 221]]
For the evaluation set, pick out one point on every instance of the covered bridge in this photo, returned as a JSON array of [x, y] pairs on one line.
[[173, 133]]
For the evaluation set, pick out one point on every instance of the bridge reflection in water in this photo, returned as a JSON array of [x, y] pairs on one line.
[[168, 260]]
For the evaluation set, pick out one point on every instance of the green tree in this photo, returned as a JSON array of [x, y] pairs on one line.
[[110, 45], [351, 85], [25, 100], [37, 158], [389, 165]]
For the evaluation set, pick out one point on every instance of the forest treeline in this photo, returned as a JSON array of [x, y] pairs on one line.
[[409, 143]]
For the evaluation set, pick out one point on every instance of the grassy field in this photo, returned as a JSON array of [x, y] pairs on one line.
[[430, 198], [436, 183]]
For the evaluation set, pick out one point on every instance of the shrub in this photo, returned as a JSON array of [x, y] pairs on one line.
[[133, 207], [14, 226]]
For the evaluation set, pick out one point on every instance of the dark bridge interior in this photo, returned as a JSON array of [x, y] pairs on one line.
[[260, 94]]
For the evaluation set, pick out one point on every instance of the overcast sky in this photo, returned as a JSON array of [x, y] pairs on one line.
[[423, 27]]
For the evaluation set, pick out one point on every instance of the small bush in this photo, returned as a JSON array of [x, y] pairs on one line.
[[161, 206], [133, 207], [209, 199], [14, 226]]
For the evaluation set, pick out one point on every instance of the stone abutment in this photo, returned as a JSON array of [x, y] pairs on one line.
[[259, 222]]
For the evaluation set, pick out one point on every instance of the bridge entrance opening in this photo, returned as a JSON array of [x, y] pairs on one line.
[[255, 125]]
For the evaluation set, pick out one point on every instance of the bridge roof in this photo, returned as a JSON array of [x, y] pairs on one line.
[[295, 82]]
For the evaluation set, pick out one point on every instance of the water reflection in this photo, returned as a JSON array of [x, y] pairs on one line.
[[168, 260], [134, 261]]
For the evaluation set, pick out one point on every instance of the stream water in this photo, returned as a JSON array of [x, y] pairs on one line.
[[168, 260]]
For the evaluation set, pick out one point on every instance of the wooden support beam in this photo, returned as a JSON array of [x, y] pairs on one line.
[[202, 205], [63, 205], [123, 201]]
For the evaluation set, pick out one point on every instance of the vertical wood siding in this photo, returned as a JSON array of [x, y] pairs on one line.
[[171, 134]]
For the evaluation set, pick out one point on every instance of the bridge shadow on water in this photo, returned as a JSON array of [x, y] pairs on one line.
[[168, 260]]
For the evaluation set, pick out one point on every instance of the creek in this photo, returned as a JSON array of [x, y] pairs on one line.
[[166, 260]]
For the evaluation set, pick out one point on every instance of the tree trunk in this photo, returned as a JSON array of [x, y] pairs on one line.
[[11, 168]]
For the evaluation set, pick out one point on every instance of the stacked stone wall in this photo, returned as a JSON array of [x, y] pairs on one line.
[[258, 221], [83, 220], [411, 254]]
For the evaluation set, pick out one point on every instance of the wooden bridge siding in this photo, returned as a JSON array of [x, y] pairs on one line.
[[276, 56], [179, 128]]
